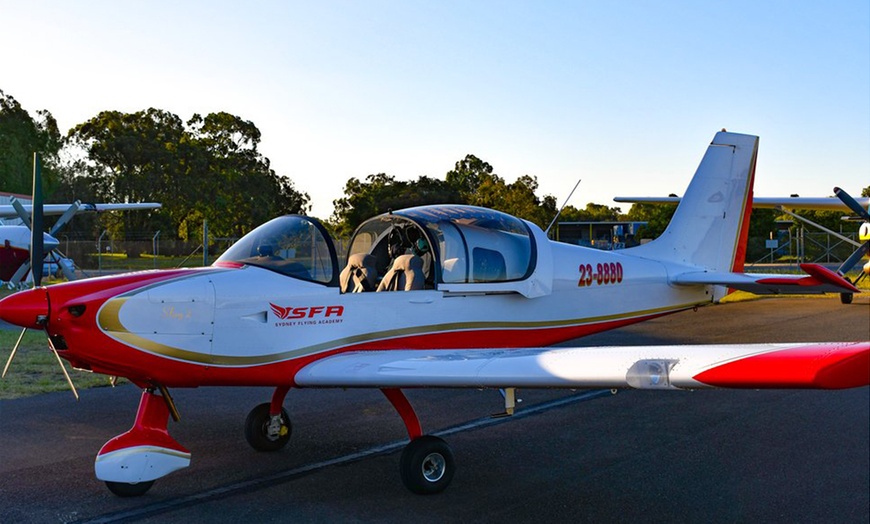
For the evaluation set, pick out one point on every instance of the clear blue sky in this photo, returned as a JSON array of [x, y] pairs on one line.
[[625, 95]]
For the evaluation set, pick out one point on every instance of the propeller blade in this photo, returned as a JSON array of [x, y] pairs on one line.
[[14, 350], [22, 213], [36, 242], [851, 203], [20, 273], [62, 368], [66, 217], [68, 272], [854, 258]]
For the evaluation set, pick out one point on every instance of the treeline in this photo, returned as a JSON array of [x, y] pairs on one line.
[[209, 168]]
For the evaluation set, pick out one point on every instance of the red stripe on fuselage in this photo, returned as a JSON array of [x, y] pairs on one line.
[[106, 355], [11, 258], [281, 373]]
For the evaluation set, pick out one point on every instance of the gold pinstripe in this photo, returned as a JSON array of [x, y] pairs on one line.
[[109, 321]]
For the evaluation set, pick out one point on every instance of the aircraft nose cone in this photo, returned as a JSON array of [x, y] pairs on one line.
[[27, 309]]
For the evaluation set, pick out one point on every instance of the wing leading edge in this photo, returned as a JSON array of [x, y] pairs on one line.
[[7, 211], [797, 365]]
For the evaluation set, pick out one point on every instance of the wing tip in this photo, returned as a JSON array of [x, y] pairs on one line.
[[816, 366]]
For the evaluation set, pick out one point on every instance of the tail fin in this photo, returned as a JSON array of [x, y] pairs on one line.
[[711, 224]]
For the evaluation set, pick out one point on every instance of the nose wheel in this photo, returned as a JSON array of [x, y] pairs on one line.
[[266, 432], [427, 465], [127, 489]]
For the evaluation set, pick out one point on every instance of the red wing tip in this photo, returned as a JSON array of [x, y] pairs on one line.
[[817, 366], [825, 275]]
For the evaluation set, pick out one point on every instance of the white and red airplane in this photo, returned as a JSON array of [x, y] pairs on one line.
[[15, 240], [435, 296]]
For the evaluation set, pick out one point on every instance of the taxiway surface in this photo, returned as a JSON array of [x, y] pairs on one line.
[[702, 456]]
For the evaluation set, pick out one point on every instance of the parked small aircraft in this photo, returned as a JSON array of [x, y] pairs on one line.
[[15, 241], [434, 296]]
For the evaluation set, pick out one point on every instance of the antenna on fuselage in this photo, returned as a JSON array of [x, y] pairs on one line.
[[547, 231]]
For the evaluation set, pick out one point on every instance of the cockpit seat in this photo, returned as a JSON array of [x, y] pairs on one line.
[[405, 275], [359, 274], [489, 265]]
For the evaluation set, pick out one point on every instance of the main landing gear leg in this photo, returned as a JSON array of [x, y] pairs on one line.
[[268, 427], [130, 463], [427, 463]]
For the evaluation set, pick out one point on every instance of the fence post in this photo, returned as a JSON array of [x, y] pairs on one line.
[[155, 247], [100, 252], [204, 242]]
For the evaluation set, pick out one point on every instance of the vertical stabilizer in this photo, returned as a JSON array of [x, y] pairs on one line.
[[711, 224]]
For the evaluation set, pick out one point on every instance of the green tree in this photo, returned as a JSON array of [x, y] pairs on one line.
[[128, 157], [657, 217], [381, 193], [517, 198], [467, 175], [592, 213], [241, 189], [20, 136], [477, 185], [471, 181], [206, 169]]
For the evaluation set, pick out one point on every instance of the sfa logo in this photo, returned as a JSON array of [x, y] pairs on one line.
[[289, 313]]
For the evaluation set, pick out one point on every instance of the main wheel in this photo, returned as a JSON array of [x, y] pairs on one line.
[[845, 298], [427, 465], [125, 489], [265, 435]]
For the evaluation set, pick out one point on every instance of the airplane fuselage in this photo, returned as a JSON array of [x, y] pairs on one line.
[[15, 249], [252, 326]]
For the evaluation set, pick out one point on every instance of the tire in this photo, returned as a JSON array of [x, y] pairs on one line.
[[427, 465], [125, 489], [845, 298], [256, 429]]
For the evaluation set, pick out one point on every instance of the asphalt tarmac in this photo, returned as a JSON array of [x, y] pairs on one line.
[[567, 456]]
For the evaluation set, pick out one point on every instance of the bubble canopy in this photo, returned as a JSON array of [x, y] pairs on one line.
[[293, 245], [456, 244]]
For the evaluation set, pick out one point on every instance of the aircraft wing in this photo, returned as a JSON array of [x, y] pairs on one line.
[[817, 280], [822, 204], [7, 211], [795, 365]]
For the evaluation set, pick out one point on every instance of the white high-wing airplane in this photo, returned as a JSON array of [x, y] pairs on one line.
[[15, 239], [434, 296]]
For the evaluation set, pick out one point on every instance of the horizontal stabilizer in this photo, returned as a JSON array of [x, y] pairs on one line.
[[820, 204], [797, 365], [818, 279]]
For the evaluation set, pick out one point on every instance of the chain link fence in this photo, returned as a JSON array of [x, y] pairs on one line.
[[141, 251], [107, 255]]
